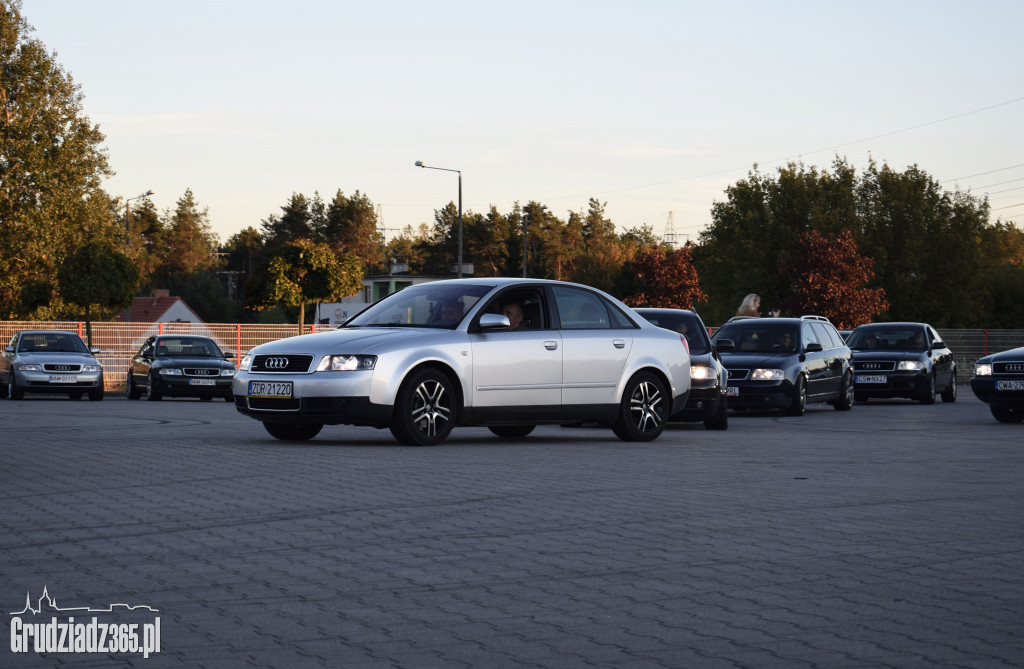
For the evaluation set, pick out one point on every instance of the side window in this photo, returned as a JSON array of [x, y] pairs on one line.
[[933, 334], [581, 310], [523, 308], [837, 339], [807, 336], [821, 332]]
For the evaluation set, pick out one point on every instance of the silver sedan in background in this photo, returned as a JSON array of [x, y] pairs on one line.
[[508, 354], [50, 361]]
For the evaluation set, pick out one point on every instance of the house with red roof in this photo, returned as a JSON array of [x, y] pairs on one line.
[[161, 307]]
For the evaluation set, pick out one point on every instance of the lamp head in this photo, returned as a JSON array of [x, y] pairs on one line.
[[419, 163]]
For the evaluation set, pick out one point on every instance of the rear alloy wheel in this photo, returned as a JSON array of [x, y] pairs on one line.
[[512, 431], [643, 410], [949, 394], [1004, 415], [845, 400], [425, 409], [928, 396], [720, 421], [799, 402], [293, 431]]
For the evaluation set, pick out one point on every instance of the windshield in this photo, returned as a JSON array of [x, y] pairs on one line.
[[755, 337], [685, 324], [888, 339], [51, 342], [193, 348], [428, 305]]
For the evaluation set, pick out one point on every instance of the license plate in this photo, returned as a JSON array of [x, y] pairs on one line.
[[1010, 385], [868, 378], [202, 382], [270, 389], [732, 391], [54, 378]]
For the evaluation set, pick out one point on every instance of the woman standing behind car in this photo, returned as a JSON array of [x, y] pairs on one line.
[[749, 306]]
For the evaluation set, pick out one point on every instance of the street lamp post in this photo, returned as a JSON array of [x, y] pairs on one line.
[[419, 163], [128, 211], [526, 233]]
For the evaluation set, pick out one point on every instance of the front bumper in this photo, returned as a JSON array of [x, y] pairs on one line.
[[761, 394], [985, 389], [897, 384], [702, 404], [185, 386], [326, 398], [42, 382]]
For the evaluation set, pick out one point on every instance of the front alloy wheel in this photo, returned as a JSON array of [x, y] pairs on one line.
[[1004, 415], [799, 402], [643, 411], [928, 396], [425, 409], [845, 400]]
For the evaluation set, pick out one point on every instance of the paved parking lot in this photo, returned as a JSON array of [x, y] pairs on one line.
[[888, 536]]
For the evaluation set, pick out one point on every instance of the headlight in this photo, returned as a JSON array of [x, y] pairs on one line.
[[91, 368], [768, 374], [227, 372], [910, 366], [246, 362], [701, 373], [346, 363], [983, 369], [26, 367], [170, 371]]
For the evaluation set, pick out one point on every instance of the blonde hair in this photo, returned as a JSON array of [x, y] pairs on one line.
[[748, 302]]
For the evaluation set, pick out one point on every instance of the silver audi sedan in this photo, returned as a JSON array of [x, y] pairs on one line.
[[508, 354], [50, 361]]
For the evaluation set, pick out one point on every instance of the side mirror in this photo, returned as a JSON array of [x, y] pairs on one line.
[[494, 322], [94, 349], [813, 347], [724, 346], [938, 344], [8, 349], [229, 355]]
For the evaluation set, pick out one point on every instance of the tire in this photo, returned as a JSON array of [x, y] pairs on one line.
[[1004, 415], [206, 398], [512, 431], [153, 395], [228, 397], [131, 391], [799, 403], [720, 421], [860, 397], [96, 395], [425, 409], [293, 431], [928, 396], [644, 409], [949, 394], [13, 390], [845, 400]]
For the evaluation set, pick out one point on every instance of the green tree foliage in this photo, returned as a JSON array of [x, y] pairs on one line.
[[830, 279], [206, 295], [51, 167], [301, 273], [294, 223], [349, 226], [664, 277], [189, 240], [98, 278]]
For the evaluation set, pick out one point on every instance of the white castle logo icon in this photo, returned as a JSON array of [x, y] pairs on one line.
[[47, 603]]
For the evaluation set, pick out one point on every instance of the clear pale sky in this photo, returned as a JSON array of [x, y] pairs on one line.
[[652, 107]]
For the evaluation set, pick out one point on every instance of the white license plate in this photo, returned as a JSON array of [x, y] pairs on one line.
[[202, 382], [1010, 385], [270, 389], [869, 378], [63, 378], [732, 391]]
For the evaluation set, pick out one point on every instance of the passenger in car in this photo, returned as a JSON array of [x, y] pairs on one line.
[[514, 312]]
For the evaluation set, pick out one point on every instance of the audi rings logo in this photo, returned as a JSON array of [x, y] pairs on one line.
[[1015, 367], [276, 363], [872, 365]]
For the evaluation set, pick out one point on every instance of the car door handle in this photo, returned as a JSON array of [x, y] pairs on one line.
[[619, 343], [551, 345]]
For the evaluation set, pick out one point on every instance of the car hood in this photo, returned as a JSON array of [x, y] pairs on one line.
[[1013, 355], [56, 358], [860, 356], [347, 340], [755, 359], [196, 361]]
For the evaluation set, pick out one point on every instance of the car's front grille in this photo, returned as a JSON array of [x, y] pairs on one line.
[[1012, 367], [201, 371], [738, 374], [874, 365], [52, 367], [273, 404], [280, 364]]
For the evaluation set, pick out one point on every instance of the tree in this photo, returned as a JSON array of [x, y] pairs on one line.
[[665, 277], [829, 277], [51, 167], [190, 241], [98, 277], [294, 223], [301, 273], [349, 226]]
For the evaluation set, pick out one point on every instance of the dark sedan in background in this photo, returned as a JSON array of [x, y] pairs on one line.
[[708, 379], [999, 382], [785, 363], [50, 361], [901, 360], [180, 366]]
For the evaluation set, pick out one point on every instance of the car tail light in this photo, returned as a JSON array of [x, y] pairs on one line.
[[685, 343]]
